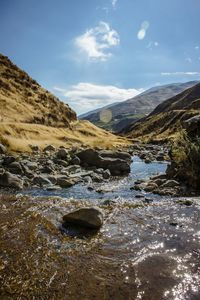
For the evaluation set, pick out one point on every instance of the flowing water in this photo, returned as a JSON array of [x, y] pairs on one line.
[[147, 249]]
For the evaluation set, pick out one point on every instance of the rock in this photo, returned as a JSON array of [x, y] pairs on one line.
[[52, 178], [3, 149], [150, 187], [62, 153], [49, 148], [53, 188], [186, 202], [35, 148], [31, 165], [75, 161], [97, 177], [73, 168], [47, 169], [109, 202], [61, 162], [15, 168], [106, 174], [41, 180], [8, 160], [65, 182], [116, 166], [9, 180], [90, 217], [115, 154], [170, 184]]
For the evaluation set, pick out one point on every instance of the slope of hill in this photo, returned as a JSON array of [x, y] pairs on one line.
[[30, 115], [129, 111], [169, 117], [22, 99]]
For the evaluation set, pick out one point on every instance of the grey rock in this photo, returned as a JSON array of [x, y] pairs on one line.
[[49, 148], [15, 167], [41, 180], [116, 166], [65, 182], [106, 174], [8, 160], [61, 162], [76, 161], [90, 217], [3, 149], [116, 154], [62, 153], [35, 148], [9, 180], [170, 184], [32, 165]]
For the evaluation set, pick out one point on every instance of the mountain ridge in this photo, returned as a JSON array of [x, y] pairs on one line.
[[130, 110], [168, 118]]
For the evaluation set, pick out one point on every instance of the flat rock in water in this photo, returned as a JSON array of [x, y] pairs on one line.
[[90, 217]]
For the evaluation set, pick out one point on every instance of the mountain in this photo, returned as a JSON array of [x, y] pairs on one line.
[[129, 111], [168, 117], [32, 115]]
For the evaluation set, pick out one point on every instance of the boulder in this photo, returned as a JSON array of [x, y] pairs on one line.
[[170, 184], [8, 160], [3, 149], [16, 168], [41, 180], [116, 154], [65, 182], [49, 148], [62, 153], [35, 148], [9, 180], [76, 161], [117, 166], [90, 217]]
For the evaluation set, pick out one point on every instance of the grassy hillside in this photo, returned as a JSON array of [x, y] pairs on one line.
[[168, 118], [127, 112], [22, 99], [30, 115]]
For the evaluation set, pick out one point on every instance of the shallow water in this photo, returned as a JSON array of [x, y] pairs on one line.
[[113, 188], [143, 251]]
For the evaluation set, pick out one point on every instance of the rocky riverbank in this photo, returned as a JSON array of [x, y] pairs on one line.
[[54, 169]]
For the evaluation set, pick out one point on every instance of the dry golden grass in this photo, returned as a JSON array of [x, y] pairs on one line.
[[30, 115], [19, 136], [22, 99]]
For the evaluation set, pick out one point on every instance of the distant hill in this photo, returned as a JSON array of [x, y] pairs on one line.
[[31, 115], [168, 117], [129, 111]]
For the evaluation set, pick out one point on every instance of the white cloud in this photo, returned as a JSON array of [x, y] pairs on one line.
[[97, 41], [196, 48], [143, 29], [180, 73], [114, 2], [85, 96]]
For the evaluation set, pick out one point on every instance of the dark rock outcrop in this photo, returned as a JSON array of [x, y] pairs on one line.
[[117, 166]]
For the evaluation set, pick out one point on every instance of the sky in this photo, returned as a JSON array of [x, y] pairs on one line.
[[92, 53]]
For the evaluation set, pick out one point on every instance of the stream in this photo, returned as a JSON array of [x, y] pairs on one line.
[[148, 247]]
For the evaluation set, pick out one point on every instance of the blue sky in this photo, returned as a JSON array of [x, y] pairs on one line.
[[94, 52]]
